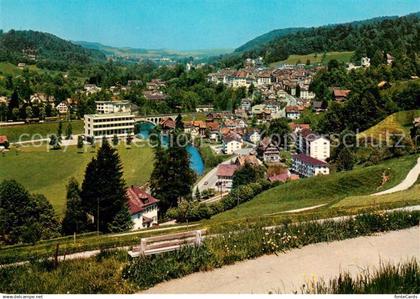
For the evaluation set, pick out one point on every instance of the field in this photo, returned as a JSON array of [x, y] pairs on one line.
[[38, 131], [326, 190], [397, 123], [315, 58], [48, 172]]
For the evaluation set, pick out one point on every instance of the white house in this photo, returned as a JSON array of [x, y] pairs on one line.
[[106, 107], [307, 166], [143, 208], [253, 136], [294, 112], [313, 145], [232, 143], [108, 125], [62, 108]]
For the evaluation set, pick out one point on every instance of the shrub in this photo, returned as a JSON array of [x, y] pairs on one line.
[[389, 279], [194, 210], [147, 271]]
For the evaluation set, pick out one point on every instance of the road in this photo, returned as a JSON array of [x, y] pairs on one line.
[[409, 181], [287, 272], [210, 179]]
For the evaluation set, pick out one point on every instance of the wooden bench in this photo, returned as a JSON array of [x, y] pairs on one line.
[[159, 244]]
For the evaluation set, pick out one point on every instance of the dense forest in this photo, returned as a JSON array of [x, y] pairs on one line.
[[46, 50], [398, 36]]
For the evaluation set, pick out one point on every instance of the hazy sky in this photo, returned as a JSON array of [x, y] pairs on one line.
[[185, 24]]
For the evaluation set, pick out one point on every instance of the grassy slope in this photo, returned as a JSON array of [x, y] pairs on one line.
[[293, 59], [48, 172], [321, 190], [14, 132], [398, 123]]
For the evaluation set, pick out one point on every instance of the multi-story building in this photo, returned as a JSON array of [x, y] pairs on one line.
[[108, 125], [307, 166], [313, 145], [106, 107], [232, 143]]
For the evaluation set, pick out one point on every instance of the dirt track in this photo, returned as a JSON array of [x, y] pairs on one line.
[[288, 271]]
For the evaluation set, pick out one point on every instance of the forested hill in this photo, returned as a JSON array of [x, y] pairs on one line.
[[44, 49], [262, 40], [396, 35]]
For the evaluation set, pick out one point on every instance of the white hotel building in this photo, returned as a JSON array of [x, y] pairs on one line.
[[108, 125]]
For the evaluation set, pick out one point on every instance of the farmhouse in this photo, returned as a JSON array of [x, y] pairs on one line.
[[340, 95], [143, 208], [307, 166], [62, 108], [269, 151]]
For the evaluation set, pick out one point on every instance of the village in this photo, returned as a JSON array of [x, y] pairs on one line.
[[242, 134]]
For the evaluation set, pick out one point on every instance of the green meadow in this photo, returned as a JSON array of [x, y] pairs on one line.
[[48, 172]]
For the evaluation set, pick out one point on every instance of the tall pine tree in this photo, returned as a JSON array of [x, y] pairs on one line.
[[172, 177], [103, 189], [75, 220]]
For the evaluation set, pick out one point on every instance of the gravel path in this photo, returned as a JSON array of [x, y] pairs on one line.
[[409, 181], [288, 271]]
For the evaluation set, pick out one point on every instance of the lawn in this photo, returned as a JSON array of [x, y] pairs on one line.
[[397, 123], [48, 172], [410, 196], [315, 58], [38, 131], [321, 190]]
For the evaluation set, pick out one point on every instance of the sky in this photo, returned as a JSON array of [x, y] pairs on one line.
[[185, 24]]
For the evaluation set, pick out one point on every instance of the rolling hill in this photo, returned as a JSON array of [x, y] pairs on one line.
[[392, 34], [45, 50], [396, 123], [266, 38]]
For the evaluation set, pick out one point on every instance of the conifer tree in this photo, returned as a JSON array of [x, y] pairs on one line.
[[69, 131], [179, 125], [103, 189], [75, 220], [172, 177]]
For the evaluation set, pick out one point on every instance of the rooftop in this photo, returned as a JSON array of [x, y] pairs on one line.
[[138, 199], [309, 160], [226, 170]]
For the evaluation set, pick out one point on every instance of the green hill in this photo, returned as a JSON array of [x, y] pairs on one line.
[[320, 190], [397, 123], [316, 58], [392, 34], [264, 39], [45, 50]]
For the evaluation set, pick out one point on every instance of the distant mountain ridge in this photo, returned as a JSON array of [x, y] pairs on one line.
[[150, 53]]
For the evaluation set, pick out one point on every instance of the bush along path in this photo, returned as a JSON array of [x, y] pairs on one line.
[[228, 248]]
